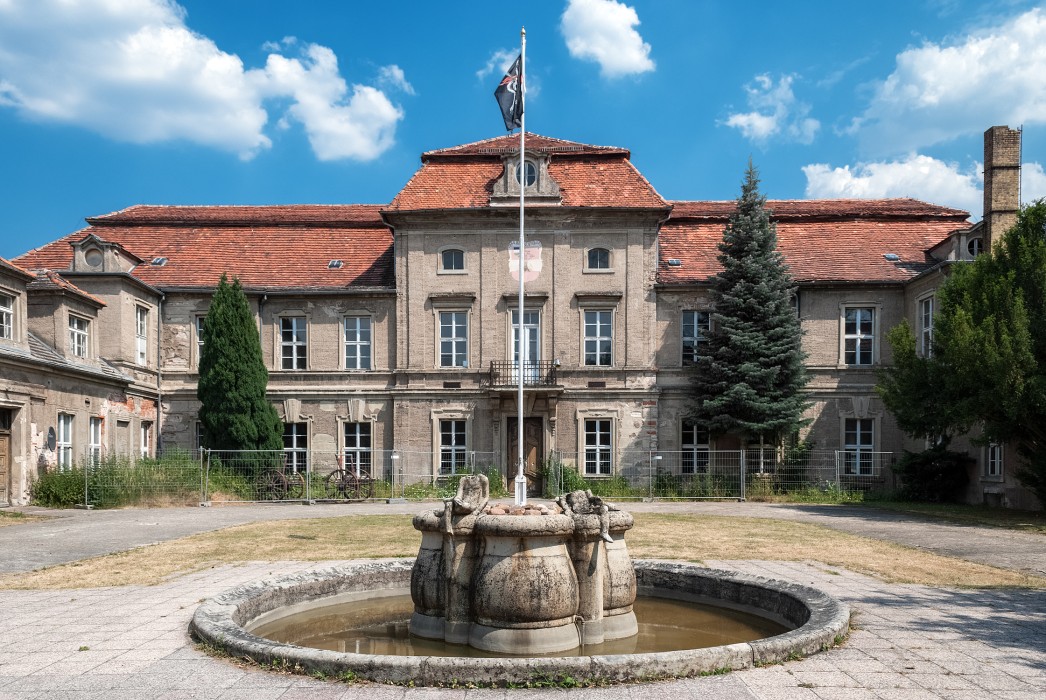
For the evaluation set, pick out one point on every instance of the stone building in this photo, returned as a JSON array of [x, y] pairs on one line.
[[392, 327]]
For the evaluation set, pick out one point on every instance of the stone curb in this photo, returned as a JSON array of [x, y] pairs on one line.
[[820, 622]]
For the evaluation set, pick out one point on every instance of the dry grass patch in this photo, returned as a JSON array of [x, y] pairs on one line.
[[656, 536], [14, 517], [696, 537]]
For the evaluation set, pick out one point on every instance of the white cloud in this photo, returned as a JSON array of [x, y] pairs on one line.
[[132, 70], [393, 76], [938, 92], [775, 112], [917, 176], [1033, 182], [603, 31], [499, 61]]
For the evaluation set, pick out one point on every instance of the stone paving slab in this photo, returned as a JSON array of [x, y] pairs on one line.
[[910, 643]]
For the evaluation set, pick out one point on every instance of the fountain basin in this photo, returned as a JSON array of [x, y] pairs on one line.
[[818, 621]]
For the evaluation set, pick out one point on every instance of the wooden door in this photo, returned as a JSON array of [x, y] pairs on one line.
[[533, 451]]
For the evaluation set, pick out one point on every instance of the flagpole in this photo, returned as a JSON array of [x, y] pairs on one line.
[[521, 480]]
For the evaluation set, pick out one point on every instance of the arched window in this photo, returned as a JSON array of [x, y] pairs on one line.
[[975, 246], [527, 173], [598, 259], [453, 259]]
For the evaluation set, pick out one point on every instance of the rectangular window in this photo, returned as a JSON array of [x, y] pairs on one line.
[[531, 346], [357, 342], [859, 443], [453, 339], [599, 338], [64, 443], [597, 447], [7, 315], [293, 342], [296, 446], [993, 461], [926, 327], [145, 442], [78, 335], [858, 335], [696, 327], [141, 334], [452, 446], [197, 438], [695, 449], [199, 338], [358, 447], [94, 442]]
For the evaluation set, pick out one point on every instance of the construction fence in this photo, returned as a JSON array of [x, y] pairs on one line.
[[211, 476]]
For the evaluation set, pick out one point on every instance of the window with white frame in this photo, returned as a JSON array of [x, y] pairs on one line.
[[858, 446], [7, 316], [358, 447], [141, 334], [858, 335], [64, 443], [599, 337], [357, 342], [94, 441], [597, 259], [145, 441], [694, 445], [296, 446], [293, 343], [926, 326], [993, 461], [199, 338], [452, 260], [453, 339], [598, 446], [453, 448], [78, 328], [697, 325]]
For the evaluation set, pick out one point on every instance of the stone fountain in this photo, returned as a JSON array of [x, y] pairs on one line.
[[523, 580]]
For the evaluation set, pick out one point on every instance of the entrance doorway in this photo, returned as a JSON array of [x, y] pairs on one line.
[[533, 452]]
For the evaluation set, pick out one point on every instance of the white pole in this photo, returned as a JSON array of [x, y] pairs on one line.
[[521, 480]]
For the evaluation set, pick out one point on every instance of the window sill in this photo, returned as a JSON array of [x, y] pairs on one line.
[[597, 271], [452, 272]]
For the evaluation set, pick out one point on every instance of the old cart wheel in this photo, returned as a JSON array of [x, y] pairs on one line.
[[296, 485], [272, 486], [364, 487], [341, 483]]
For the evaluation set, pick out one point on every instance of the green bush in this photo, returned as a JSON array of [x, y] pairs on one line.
[[560, 478], [937, 475], [58, 489]]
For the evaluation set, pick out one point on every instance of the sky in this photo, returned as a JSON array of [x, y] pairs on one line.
[[109, 103]]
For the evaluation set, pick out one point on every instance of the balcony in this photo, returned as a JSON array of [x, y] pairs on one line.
[[505, 375]]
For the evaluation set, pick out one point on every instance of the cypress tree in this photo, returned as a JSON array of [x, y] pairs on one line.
[[233, 409], [749, 380]]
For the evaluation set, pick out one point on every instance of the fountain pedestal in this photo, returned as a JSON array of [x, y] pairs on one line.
[[528, 580]]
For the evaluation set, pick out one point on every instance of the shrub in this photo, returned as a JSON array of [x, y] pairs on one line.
[[937, 475], [58, 489]]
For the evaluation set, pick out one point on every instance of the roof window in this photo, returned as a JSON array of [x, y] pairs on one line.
[[158, 262], [675, 262], [892, 257], [335, 265]]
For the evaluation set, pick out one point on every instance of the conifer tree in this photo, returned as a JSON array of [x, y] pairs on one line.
[[233, 409], [749, 379], [987, 372]]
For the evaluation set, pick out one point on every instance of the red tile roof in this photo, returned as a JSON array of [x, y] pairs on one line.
[[11, 267], [821, 240], [272, 248], [51, 280], [588, 176]]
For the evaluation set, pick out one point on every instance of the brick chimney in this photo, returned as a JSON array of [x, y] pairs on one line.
[[1002, 181]]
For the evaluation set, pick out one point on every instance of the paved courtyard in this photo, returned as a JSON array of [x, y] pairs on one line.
[[910, 643]]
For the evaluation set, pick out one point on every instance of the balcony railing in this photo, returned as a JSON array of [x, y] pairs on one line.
[[506, 374]]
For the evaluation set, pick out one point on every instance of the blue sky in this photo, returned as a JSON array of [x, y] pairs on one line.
[[109, 103]]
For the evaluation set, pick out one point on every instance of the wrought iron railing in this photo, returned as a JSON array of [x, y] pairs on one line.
[[506, 374]]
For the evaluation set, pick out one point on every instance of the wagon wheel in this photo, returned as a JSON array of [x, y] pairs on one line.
[[296, 485], [342, 483], [364, 486], [272, 486]]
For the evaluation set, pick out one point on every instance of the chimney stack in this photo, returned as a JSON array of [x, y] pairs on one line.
[[1002, 181]]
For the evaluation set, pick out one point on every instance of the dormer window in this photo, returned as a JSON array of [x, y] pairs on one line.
[[526, 173], [93, 257], [975, 246]]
